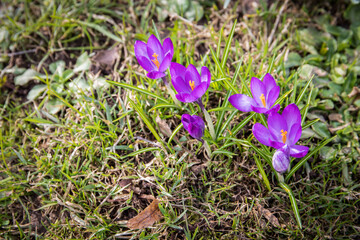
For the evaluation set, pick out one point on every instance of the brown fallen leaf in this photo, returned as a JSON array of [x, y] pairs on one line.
[[354, 92], [147, 217], [268, 215], [165, 128], [336, 117], [107, 57], [335, 129]]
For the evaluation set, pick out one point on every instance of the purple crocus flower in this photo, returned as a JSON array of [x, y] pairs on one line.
[[264, 94], [189, 84], [194, 125], [154, 57], [283, 132]]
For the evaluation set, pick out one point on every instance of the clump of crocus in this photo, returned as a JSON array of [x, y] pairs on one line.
[[264, 95], [194, 125], [283, 132], [154, 57], [189, 84]]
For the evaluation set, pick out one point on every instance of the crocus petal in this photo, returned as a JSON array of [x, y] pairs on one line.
[[197, 127], [155, 75], [177, 69], [197, 120], [185, 119], [192, 74], [276, 144], [276, 123], [165, 63], [140, 49], [259, 109], [146, 64], [185, 97], [274, 109], [257, 89], [242, 102], [262, 134], [180, 85], [272, 96], [168, 47], [298, 151], [196, 132], [205, 75], [200, 90], [194, 125], [294, 134], [281, 159], [154, 46], [292, 115], [269, 81]]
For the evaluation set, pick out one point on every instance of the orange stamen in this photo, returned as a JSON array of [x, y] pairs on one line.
[[155, 60], [283, 134], [192, 85], [262, 98]]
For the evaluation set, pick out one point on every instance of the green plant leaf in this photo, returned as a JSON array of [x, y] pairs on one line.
[[26, 77], [36, 91], [83, 63]]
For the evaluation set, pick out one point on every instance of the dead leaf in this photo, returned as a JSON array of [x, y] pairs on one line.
[[269, 216], [165, 128], [336, 117], [196, 169], [107, 57], [335, 129], [354, 92], [147, 217], [320, 72]]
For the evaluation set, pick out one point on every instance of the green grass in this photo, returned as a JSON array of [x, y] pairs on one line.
[[81, 172]]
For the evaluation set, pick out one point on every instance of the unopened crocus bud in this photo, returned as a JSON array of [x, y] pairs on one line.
[[281, 159], [194, 125]]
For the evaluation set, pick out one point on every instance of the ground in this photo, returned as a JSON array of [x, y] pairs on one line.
[[87, 141]]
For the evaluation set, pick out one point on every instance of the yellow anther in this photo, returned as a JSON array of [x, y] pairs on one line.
[[192, 85], [262, 98], [155, 60], [283, 134]]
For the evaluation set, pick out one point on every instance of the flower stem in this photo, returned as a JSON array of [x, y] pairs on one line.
[[207, 118], [170, 91], [280, 177]]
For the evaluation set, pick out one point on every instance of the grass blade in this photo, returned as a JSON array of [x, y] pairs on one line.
[[216, 60], [302, 93], [146, 121], [227, 46], [261, 153], [262, 172], [293, 202], [224, 126], [131, 87], [155, 30], [236, 129], [141, 151], [175, 132], [100, 29], [219, 131], [304, 159], [309, 124]]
